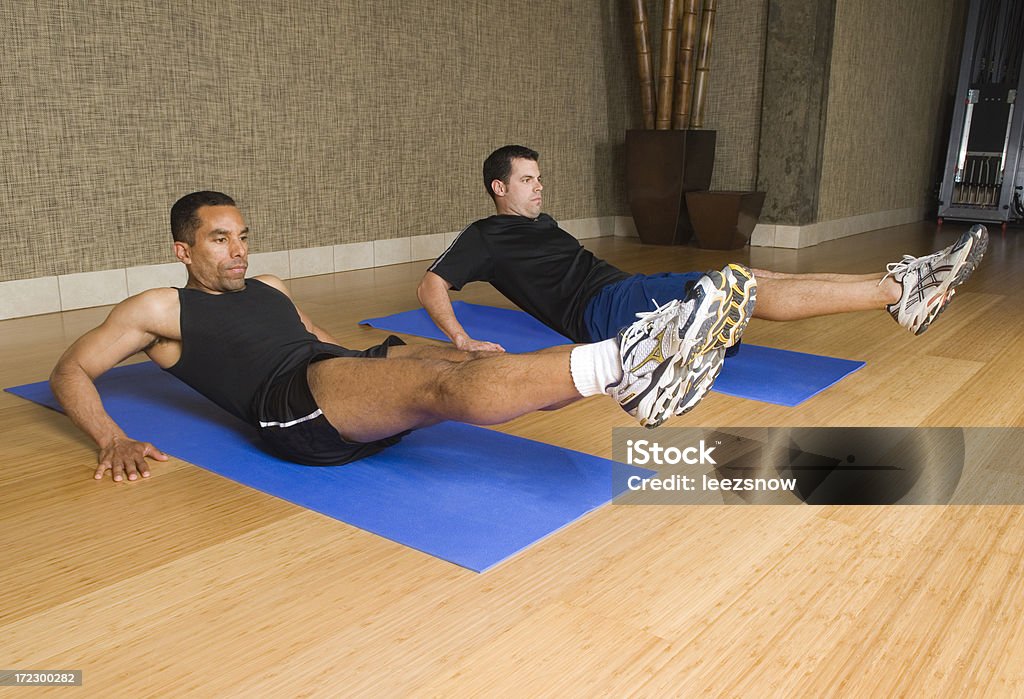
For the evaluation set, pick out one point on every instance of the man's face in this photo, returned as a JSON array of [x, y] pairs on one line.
[[521, 196], [218, 259]]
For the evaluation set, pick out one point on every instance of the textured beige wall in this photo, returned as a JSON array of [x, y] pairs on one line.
[[360, 121], [734, 98], [892, 66], [329, 122]]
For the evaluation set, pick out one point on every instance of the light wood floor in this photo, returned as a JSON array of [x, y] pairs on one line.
[[188, 584]]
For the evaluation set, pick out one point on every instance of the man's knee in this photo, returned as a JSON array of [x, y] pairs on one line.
[[441, 382]]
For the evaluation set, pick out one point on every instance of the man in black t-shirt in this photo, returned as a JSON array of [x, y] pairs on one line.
[[546, 272], [533, 262]]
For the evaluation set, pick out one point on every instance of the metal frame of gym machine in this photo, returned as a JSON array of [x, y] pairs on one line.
[[984, 173]]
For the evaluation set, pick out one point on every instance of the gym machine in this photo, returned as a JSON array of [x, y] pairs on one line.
[[983, 179]]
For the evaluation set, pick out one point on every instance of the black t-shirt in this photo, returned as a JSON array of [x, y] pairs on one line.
[[534, 263]]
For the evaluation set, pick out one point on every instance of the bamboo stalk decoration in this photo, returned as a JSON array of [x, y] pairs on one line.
[[684, 64], [707, 27], [667, 66], [644, 62]]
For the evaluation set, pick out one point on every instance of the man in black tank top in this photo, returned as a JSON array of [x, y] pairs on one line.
[[246, 346], [541, 268]]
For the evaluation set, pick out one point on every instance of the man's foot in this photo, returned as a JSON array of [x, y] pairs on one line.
[[672, 355], [702, 376], [929, 282], [652, 372], [742, 298], [725, 301]]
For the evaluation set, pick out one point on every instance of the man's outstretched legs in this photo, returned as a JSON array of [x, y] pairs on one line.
[[370, 399], [644, 369], [914, 291], [650, 369]]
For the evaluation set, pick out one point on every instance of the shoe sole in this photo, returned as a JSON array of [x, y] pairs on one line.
[[699, 385], [707, 325], [726, 303], [679, 367], [665, 381], [975, 245], [742, 299]]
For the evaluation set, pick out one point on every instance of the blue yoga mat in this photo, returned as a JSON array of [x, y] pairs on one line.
[[464, 494], [765, 374]]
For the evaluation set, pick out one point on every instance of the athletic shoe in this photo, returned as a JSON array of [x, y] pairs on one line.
[[930, 282], [652, 370], [743, 297], [701, 377], [671, 356], [726, 301]]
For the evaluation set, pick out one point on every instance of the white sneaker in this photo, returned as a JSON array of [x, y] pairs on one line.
[[649, 350], [929, 282], [701, 378], [671, 356]]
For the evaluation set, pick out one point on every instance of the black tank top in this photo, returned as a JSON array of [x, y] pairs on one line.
[[234, 344]]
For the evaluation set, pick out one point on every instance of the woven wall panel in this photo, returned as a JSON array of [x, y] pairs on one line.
[[734, 97], [330, 123], [892, 67]]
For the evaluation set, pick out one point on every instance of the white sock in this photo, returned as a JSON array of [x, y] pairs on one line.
[[595, 367]]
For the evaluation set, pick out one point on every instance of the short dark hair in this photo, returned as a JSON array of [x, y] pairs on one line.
[[184, 216], [498, 165]]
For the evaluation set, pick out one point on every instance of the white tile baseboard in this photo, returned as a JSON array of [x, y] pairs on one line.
[[28, 297], [795, 237]]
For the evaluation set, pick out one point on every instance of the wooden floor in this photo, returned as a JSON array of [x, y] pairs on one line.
[[188, 584]]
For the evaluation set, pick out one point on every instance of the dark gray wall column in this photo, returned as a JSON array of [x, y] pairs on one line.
[[793, 112]]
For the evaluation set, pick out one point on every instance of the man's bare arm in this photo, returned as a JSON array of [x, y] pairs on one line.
[[433, 295], [127, 330]]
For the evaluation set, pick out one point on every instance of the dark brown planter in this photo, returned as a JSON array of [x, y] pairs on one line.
[[724, 220], [661, 167]]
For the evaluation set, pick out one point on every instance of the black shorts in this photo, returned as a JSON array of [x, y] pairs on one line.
[[294, 427]]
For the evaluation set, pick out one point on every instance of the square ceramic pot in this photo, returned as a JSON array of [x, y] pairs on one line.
[[661, 167], [724, 220]]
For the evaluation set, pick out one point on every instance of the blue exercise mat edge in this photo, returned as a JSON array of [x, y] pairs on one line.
[[468, 495]]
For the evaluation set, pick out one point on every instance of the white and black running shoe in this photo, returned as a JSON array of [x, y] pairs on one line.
[[732, 293], [652, 370], [672, 355], [929, 282]]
